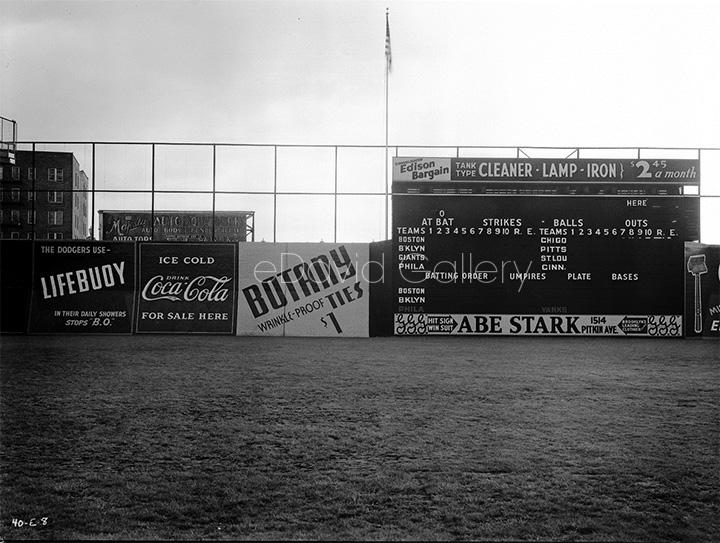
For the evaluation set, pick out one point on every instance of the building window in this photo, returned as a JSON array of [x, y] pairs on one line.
[[15, 216], [16, 173], [55, 235], [14, 235], [15, 195], [31, 174], [55, 197], [1, 173], [55, 218], [31, 195], [55, 174], [31, 216]]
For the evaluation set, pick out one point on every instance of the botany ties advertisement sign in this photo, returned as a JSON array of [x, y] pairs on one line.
[[304, 289]]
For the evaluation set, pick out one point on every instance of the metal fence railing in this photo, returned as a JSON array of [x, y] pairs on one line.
[[296, 192]]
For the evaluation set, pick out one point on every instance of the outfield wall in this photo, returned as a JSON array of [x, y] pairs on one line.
[[275, 289], [15, 285], [259, 289]]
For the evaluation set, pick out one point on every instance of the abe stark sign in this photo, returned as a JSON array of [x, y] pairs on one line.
[[186, 288]]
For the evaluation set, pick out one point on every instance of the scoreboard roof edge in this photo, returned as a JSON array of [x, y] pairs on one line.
[[588, 170]]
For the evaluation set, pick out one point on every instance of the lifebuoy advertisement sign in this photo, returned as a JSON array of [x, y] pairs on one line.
[[82, 286], [186, 288]]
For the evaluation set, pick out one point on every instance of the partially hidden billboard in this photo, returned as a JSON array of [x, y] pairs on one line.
[[303, 289], [702, 290], [218, 226], [186, 288], [82, 286]]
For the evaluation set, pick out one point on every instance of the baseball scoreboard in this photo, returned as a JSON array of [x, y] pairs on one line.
[[502, 246]]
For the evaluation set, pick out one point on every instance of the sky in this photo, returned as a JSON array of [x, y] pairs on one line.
[[541, 73]]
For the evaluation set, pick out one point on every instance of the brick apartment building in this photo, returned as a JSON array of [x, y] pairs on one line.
[[43, 196]]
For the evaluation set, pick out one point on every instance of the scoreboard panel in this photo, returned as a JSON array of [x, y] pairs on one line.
[[527, 257]]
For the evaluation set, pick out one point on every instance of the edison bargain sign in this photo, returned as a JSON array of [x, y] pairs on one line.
[[546, 170]]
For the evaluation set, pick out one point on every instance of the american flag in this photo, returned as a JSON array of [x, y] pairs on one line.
[[388, 50]]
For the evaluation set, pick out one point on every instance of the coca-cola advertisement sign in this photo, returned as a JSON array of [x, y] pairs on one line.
[[187, 288]]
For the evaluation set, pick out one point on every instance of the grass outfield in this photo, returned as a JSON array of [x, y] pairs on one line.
[[146, 437]]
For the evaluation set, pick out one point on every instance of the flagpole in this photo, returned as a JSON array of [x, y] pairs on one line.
[[387, 94]]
